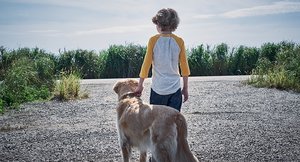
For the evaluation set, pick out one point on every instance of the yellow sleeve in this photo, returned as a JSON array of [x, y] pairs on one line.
[[148, 59], [184, 66]]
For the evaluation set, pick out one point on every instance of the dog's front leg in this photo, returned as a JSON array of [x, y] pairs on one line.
[[143, 156]]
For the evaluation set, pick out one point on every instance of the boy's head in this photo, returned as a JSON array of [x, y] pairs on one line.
[[167, 19]]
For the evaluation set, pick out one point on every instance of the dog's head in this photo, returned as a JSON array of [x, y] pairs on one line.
[[124, 87]]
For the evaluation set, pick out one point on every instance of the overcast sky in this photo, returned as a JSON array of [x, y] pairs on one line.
[[96, 24]]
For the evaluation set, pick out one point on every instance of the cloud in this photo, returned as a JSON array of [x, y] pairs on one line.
[[44, 31], [47, 32], [275, 8], [204, 16], [93, 5], [271, 9], [114, 29]]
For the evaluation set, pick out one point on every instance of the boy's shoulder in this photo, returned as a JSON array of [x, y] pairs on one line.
[[178, 39], [156, 36]]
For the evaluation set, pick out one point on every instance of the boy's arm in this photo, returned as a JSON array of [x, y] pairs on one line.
[[145, 67], [185, 91], [147, 60], [184, 66], [138, 91], [185, 72]]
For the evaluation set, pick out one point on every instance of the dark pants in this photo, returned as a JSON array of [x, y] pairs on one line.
[[173, 100]]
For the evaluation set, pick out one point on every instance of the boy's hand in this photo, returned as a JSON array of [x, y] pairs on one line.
[[185, 94], [138, 91]]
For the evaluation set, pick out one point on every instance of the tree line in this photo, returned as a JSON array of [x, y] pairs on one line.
[[123, 61]]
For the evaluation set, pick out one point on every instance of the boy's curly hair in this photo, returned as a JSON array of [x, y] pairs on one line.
[[167, 19]]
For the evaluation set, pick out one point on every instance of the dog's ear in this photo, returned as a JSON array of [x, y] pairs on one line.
[[116, 87]]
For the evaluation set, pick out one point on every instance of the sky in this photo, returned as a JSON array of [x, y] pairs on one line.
[[96, 24]]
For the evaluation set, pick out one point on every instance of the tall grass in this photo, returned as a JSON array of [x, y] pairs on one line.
[[1, 106], [281, 71], [24, 83], [68, 88]]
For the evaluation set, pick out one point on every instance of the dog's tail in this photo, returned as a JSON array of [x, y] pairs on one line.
[[184, 153]]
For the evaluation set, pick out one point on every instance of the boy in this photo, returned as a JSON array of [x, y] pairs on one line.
[[164, 52]]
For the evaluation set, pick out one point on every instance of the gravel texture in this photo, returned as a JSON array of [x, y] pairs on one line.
[[227, 121]]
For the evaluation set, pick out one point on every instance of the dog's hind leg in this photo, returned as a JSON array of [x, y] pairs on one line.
[[143, 156], [162, 154], [165, 149], [183, 152]]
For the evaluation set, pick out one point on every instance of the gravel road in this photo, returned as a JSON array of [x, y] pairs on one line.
[[227, 121]]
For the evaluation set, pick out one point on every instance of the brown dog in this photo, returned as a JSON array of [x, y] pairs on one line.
[[157, 128]]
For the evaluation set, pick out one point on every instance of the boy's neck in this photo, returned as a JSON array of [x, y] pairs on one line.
[[165, 32]]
